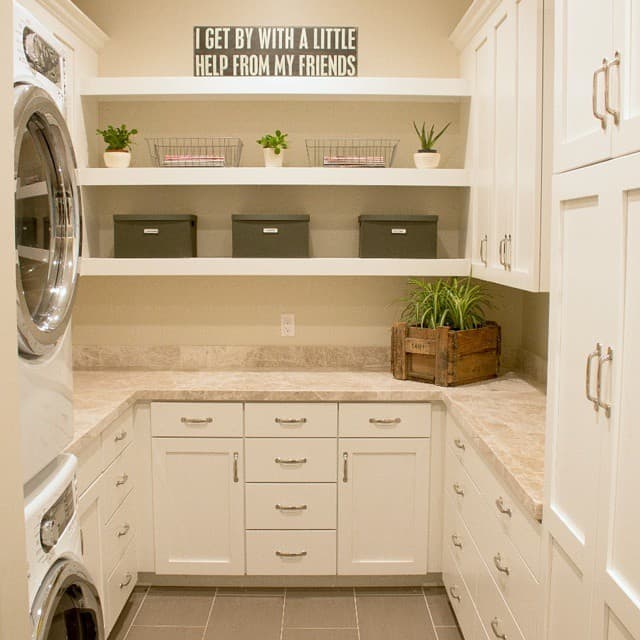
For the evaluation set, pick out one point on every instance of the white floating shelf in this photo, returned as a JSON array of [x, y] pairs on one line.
[[272, 267], [300, 89], [301, 176]]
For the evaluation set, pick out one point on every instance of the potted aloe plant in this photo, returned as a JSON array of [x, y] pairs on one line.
[[426, 157], [119, 141], [444, 337], [273, 146]]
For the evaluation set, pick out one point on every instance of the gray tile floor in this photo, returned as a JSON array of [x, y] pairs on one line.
[[287, 614]]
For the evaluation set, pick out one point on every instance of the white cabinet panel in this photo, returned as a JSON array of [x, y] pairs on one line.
[[291, 419], [196, 419], [91, 531], [385, 420], [383, 500], [198, 496]]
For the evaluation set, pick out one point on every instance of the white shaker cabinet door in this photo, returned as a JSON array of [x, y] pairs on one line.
[[583, 38], [383, 498], [198, 498]]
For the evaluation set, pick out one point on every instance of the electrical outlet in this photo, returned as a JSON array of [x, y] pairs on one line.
[[287, 325]]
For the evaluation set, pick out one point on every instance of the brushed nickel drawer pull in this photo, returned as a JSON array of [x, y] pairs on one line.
[[291, 460], [120, 436], [596, 353], [495, 625], [345, 467], [502, 568], [385, 421], [122, 480], [607, 357], [595, 91], [458, 489], [291, 420], [502, 509], [270, 230], [125, 529], [291, 507], [456, 541], [459, 444], [235, 466], [453, 592], [291, 554], [127, 580], [607, 88], [196, 420]]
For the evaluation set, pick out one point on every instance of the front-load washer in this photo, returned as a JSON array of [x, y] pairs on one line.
[[64, 601], [48, 214]]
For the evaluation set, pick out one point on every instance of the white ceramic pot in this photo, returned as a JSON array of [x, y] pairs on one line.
[[117, 159], [426, 159], [271, 159]]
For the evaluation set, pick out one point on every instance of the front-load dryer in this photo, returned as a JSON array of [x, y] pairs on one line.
[[63, 599], [48, 236]]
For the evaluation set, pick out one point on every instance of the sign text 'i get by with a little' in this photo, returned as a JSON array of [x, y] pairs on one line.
[[275, 51]]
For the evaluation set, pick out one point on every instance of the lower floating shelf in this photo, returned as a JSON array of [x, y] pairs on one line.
[[273, 267]]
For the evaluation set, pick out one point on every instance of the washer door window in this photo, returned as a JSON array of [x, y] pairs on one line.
[[48, 215], [67, 606]]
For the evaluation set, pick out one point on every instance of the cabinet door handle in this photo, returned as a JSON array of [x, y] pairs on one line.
[[292, 507], [607, 89], [483, 250], [235, 466], [125, 529], [594, 94], [501, 508], [291, 554], [385, 421], [458, 489], [596, 353], [290, 460], [122, 480], [127, 580], [500, 566], [456, 541], [453, 592], [345, 467], [291, 420], [82, 543], [120, 436], [495, 627], [508, 254], [605, 357], [459, 444], [186, 420], [501, 252]]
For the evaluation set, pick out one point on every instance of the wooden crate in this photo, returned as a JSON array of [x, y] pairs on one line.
[[444, 357]]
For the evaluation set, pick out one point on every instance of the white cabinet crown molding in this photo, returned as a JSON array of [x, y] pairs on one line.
[[77, 21], [471, 21]]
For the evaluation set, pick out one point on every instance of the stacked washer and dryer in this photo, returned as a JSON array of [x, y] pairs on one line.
[[63, 598]]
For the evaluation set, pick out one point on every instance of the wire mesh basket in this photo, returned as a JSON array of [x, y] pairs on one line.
[[351, 152], [195, 152]]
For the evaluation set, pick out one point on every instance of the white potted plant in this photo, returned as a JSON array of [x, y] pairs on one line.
[[117, 155], [427, 157], [273, 147]]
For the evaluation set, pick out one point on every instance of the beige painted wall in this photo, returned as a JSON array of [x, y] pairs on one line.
[[14, 621], [535, 327]]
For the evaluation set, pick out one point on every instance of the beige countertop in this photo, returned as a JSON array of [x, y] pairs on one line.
[[505, 418]]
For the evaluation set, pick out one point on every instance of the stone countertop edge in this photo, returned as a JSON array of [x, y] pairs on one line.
[[102, 396]]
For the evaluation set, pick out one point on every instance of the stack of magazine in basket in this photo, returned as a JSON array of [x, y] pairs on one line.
[[177, 160], [353, 161]]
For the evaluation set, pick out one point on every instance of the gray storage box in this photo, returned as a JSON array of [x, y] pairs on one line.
[[398, 236], [270, 236], [155, 236]]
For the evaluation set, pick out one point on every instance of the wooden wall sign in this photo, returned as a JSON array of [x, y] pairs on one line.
[[275, 51]]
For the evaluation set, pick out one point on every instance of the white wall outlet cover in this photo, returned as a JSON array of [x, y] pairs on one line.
[[287, 325]]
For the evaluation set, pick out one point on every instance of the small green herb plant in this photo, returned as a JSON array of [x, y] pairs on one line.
[[277, 141], [458, 304], [428, 140], [117, 138]]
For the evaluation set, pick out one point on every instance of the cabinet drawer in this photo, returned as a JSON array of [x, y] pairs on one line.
[[118, 532], [120, 584], [463, 493], [118, 482], [290, 460], [196, 419], [291, 506], [117, 437], [291, 553], [284, 420], [459, 595], [384, 420], [89, 465]]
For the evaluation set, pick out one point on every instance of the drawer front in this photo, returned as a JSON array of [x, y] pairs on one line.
[[291, 419], [117, 437], [291, 506], [120, 584], [90, 465], [118, 532], [463, 493], [304, 553], [384, 420], [459, 596], [196, 419], [290, 460], [118, 482]]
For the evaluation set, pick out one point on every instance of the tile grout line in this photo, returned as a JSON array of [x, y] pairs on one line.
[[126, 635], [355, 604], [284, 604], [206, 624], [433, 625]]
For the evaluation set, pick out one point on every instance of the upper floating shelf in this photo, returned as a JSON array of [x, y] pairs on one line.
[[187, 88], [291, 176]]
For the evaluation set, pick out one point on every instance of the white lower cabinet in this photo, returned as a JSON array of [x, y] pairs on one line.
[[383, 505], [198, 500]]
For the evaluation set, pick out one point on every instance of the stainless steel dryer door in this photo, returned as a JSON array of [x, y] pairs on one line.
[[48, 214], [67, 606]]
